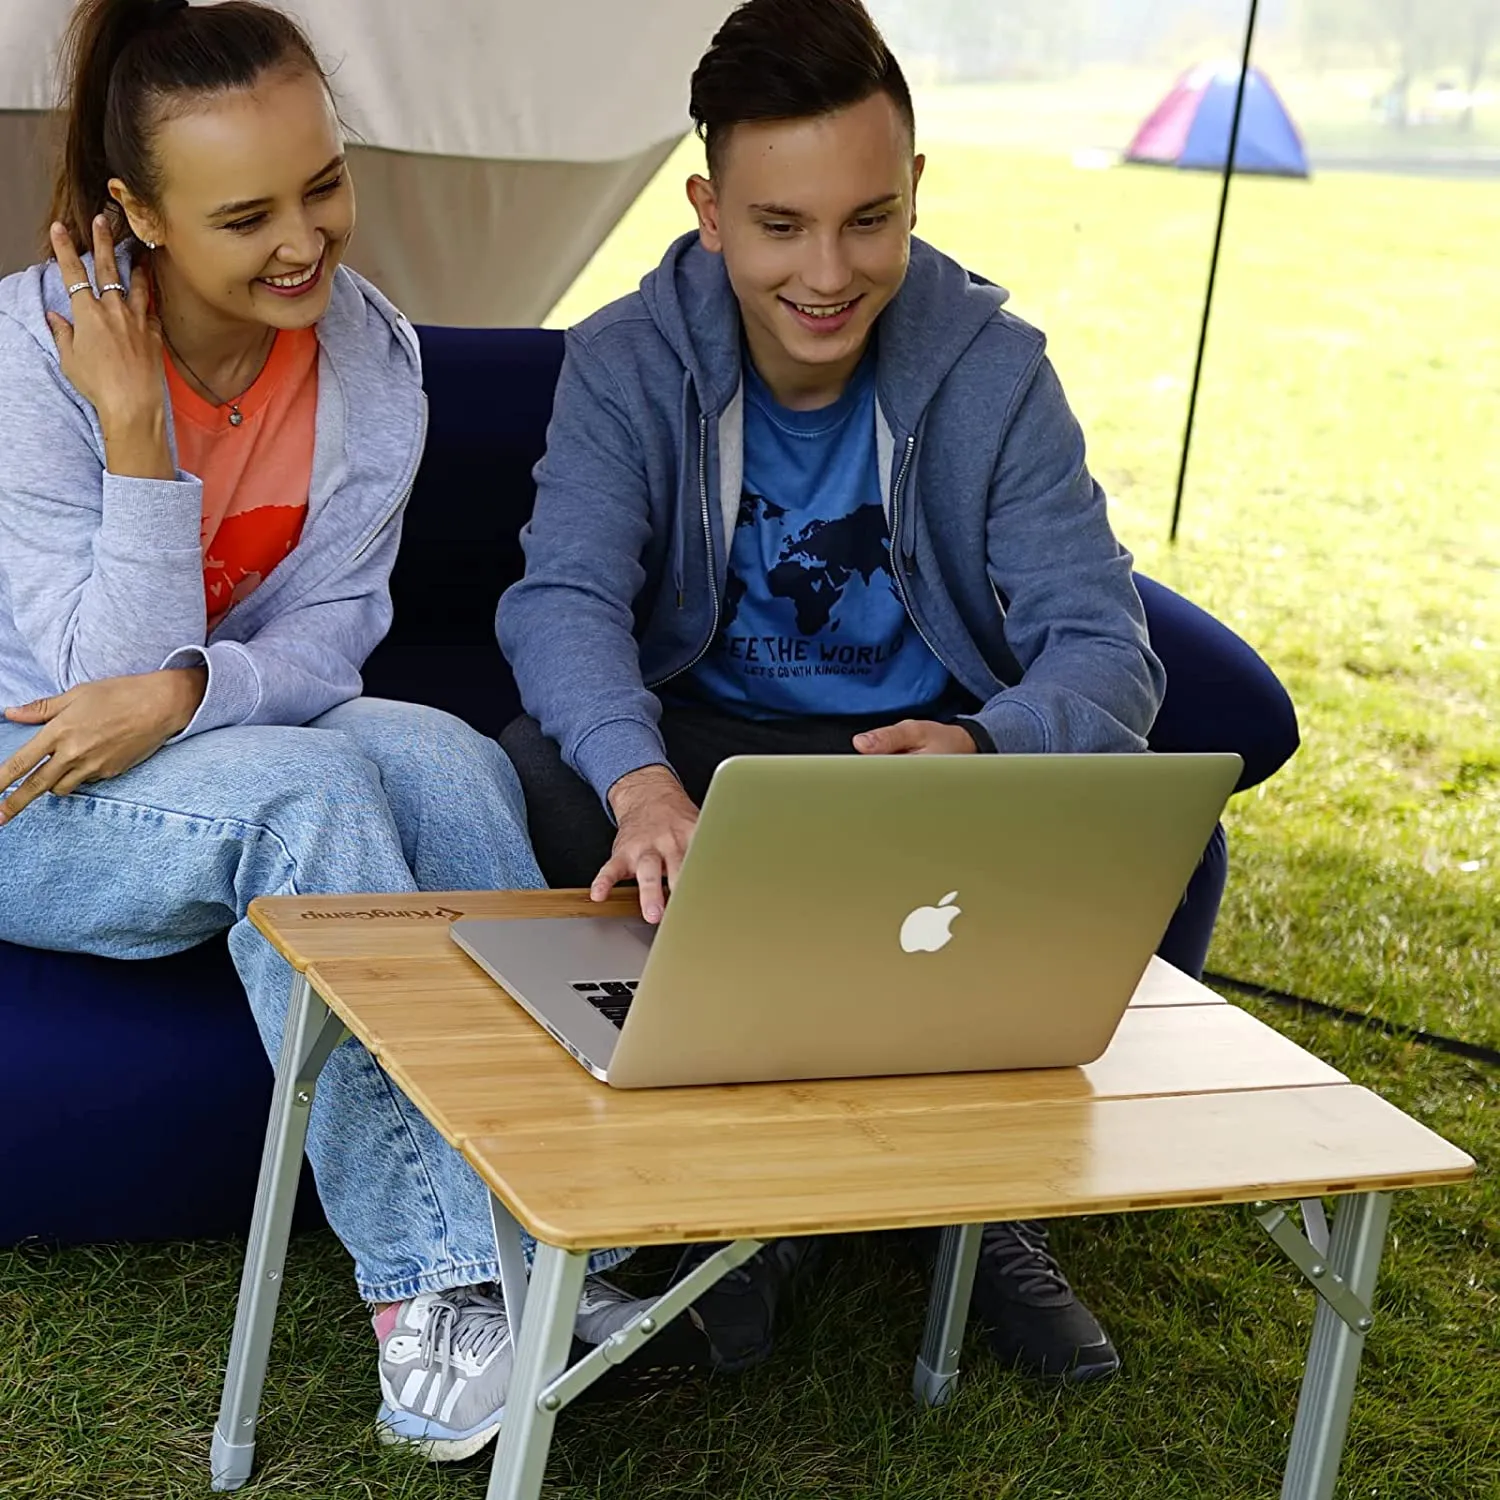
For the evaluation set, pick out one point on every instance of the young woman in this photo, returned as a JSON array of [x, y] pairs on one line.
[[208, 429]]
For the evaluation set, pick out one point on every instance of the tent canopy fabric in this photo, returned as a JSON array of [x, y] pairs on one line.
[[1190, 127], [495, 142], [499, 80]]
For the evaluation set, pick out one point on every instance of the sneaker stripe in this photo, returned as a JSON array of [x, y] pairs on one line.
[[459, 1386], [411, 1388], [434, 1391]]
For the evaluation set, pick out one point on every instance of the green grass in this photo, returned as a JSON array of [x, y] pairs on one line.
[[1342, 514], [109, 1386]]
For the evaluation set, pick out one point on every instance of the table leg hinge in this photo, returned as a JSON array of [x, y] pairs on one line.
[[1325, 1281], [641, 1329], [330, 1033]]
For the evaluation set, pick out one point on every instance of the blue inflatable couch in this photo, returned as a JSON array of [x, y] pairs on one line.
[[133, 1096]]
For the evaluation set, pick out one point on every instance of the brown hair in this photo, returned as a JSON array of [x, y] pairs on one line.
[[124, 61], [792, 60]]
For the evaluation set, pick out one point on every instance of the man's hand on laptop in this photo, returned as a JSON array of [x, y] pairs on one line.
[[916, 737], [655, 820]]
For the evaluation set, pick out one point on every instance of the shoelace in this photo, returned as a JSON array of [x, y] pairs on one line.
[[482, 1333], [1020, 1250]]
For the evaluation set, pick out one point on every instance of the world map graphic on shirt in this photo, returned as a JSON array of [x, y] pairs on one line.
[[814, 565], [812, 620]]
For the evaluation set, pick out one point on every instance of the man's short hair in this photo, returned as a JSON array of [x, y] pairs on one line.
[[791, 60]]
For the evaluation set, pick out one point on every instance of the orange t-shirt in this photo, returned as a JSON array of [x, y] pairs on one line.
[[256, 476]]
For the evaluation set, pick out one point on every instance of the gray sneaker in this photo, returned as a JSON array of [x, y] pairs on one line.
[[445, 1363], [446, 1358]]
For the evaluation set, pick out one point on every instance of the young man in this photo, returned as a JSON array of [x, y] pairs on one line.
[[812, 489]]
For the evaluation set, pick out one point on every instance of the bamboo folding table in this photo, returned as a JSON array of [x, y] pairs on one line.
[[1195, 1102]]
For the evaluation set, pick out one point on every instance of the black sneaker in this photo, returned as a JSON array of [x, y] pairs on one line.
[[736, 1317], [1033, 1319]]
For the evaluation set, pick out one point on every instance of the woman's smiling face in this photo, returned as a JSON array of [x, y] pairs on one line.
[[256, 207]]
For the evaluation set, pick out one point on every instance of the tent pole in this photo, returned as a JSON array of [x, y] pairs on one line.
[[1213, 264]]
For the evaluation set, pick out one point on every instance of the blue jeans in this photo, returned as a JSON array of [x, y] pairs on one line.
[[372, 796]]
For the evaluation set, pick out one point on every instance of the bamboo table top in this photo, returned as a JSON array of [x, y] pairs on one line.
[[1195, 1102]]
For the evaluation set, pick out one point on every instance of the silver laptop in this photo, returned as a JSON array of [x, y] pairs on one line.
[[841, 917]]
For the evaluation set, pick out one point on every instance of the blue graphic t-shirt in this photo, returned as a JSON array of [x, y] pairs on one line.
[[811, 621]]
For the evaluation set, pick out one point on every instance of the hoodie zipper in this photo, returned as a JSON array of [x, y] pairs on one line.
[[911, 444], [708, 547]]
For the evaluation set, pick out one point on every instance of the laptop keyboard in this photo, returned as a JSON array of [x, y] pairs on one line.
[[610, 997]]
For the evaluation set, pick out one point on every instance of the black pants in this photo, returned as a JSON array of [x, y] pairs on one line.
[[573, 836]]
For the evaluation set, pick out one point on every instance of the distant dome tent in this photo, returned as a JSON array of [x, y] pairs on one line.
[[1190, 127]]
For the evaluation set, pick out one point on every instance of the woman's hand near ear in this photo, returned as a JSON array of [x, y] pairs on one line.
[[111, 352]]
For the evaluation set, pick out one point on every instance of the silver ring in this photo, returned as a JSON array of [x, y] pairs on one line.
[[80, 286], [114, 286]]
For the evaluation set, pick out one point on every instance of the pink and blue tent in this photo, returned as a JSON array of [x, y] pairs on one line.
[[1190, 127]]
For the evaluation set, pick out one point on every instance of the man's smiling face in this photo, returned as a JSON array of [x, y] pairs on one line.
[[813, 218]]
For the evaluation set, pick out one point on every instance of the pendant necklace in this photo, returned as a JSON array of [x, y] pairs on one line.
[[235, 415]]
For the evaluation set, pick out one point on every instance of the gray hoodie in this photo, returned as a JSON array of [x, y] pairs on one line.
[[1002, 549], [102, 576]]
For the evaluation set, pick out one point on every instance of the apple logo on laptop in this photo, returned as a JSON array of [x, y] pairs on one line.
[[926, 929]]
